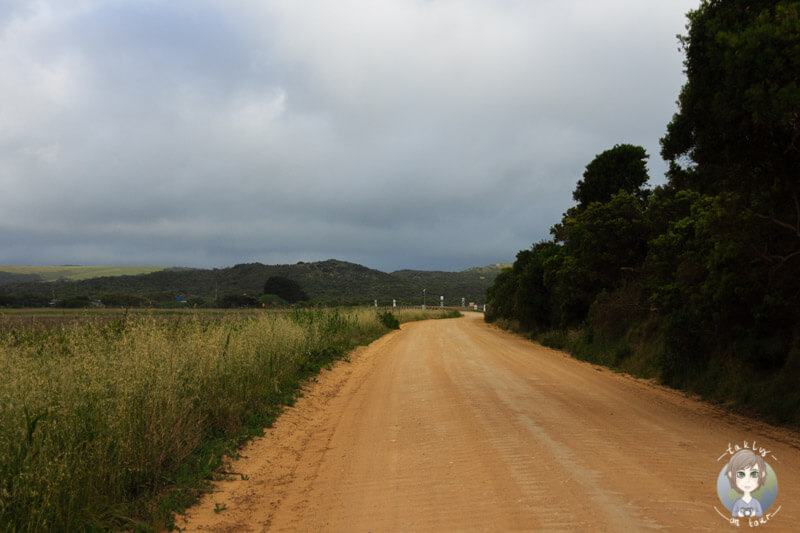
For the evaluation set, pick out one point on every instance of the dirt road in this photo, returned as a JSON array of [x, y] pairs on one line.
[[454, 425]]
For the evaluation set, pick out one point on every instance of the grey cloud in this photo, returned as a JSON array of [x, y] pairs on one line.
[[396, 133]]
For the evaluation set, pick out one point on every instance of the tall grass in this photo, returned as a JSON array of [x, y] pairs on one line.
[[97, 420], [413, 314]]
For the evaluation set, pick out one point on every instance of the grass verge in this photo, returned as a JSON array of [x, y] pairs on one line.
[[723, 379], [108, 425]]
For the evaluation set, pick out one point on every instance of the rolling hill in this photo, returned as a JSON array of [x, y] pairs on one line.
[[330, 282]]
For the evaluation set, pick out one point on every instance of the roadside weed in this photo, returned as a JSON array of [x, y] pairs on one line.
[[115, 425]]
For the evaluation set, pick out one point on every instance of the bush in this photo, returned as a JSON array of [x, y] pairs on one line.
[[122, 300], [389, 320], [74, 302], [271, 300], [237, 300]]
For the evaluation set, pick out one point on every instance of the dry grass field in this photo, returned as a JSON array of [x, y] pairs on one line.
[[103, 413]]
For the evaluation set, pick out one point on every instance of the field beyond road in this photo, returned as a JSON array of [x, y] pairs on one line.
[[456, 425]]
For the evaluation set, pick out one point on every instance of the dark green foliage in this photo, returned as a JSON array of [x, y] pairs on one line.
[[389, 320], [738, 121], [122, 300], [686, 351], [612, 312], [237, 301], [160, 298], [271, 300], [601, 244], [736, 137], [555, 283], [709, 264], [285, 288], [521, 293], [74, 302], [734, 146], [24, 299], [622, 168]]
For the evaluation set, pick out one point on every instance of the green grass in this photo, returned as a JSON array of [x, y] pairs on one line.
[[118, 421], [76, 273]]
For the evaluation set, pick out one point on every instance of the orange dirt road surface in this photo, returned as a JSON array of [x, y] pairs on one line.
[[455, 425]]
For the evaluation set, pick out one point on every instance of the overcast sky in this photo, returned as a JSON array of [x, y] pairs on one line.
[[425, 134]]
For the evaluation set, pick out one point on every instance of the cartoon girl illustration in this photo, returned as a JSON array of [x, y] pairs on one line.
[[747, 473]]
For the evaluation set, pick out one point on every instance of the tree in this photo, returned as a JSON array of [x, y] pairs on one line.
[[286, 288], [500, 296], [117, 299], [520, 294], [533, 301], [601, 242], [738, 125], [237, 300], [74, 302], [738, 119], [735, 142], [622, 168], [708, 265]]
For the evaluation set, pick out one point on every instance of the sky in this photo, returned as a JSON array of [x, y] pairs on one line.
[[422, 134]]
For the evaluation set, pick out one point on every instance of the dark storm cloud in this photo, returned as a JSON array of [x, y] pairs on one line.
[[394, 133]]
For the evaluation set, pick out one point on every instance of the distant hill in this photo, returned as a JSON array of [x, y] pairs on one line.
[[329, 282], [470, 284], [10, 273]]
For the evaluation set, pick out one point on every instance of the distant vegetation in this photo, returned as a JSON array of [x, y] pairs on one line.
[[70, 272], [286, 289], [328, 283], [697, 281]]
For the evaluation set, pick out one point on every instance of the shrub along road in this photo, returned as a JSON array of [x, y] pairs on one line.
[[457, 425]]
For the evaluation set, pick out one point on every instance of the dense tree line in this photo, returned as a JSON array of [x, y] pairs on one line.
[[711, 260], [596, 247]]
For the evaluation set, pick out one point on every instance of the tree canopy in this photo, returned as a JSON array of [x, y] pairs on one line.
[[621, 168], [737, 128], [287, 289]]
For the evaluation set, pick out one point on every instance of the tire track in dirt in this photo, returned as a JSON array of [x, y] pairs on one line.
[[456, 425]]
